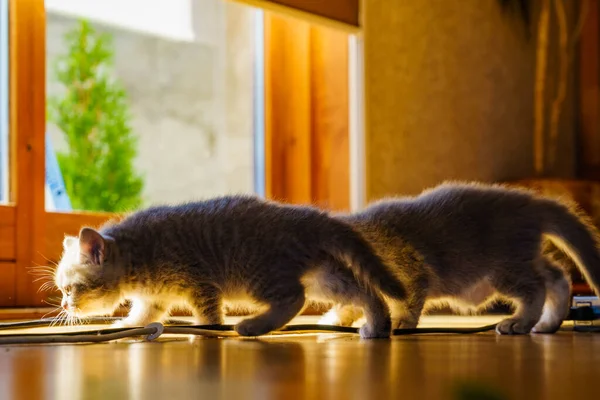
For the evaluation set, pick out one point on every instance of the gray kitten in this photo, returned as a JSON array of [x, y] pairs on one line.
[[235, 248], [468, 244]]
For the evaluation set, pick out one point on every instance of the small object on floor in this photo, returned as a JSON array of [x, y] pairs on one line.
[[585, 312], [477, 391]]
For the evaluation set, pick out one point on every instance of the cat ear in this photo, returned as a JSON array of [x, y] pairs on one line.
[[92, 245], [69, 241]]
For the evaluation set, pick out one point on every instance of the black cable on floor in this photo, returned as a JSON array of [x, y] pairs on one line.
[[184, 327], [174, 322], [285, 329]]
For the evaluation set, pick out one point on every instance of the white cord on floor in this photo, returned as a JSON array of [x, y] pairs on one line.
[[152, 332]]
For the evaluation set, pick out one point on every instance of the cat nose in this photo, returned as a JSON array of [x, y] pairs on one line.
[[64, 305]]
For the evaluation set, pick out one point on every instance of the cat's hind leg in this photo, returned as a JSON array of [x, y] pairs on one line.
[[283, 301], [406, 314], [558, 295], [206, 302], [525, 287], [335, 282]]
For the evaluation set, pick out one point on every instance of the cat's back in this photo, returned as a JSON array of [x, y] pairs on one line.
[[189, 214], [473, 196], [454, 205], [455, 221], [226, 215]]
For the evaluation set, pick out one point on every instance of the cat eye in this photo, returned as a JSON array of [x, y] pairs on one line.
[[67, 290]]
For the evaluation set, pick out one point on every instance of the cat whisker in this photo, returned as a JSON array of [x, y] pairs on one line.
[[51, 304], [82, 320], [46, 286], [57, 318], [65, 321], [74, 319], [77, 320], [47, 259], [50, 312], [36, 265], [40, 276], [41, 268], [43, 277], [50, 283], [53, 300]]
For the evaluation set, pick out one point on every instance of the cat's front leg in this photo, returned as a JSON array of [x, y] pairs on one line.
[[207, 305], [142, 313]]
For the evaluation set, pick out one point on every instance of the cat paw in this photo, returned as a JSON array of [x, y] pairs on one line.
[[369, 332], [252, 327], [546, 327], [512, 326]]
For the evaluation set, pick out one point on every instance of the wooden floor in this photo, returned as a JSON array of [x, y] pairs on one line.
[[561, 366]]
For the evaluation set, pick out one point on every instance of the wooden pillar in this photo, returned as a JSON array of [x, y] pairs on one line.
[[27, 132], [306, 112]]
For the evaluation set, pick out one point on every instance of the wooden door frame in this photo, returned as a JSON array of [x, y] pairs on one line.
[[30, 235], [26, 134], [307, 113]]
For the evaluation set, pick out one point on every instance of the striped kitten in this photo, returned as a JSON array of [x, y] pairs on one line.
[[467, 245], [233, 248]]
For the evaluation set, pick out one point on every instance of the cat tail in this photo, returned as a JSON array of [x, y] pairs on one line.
[[573, 232], [368, 267]]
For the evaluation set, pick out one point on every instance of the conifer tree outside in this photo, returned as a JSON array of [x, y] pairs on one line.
[[93, 115]]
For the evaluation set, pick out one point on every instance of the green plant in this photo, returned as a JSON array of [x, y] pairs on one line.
[[93, 115]]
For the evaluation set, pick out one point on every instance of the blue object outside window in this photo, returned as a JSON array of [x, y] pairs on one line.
[[54, 180]]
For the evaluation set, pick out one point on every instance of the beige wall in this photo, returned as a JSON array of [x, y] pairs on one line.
[[449, 95]]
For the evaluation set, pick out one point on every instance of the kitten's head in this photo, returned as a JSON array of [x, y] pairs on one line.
[[87, 275]]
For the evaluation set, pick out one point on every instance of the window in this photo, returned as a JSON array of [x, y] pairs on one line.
[[221, 99], [168, 19], [166, 116]]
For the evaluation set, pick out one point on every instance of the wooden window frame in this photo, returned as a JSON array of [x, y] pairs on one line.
[[30, 235], [341, 15]]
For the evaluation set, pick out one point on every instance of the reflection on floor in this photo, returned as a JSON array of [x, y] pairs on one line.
[[329, 366]]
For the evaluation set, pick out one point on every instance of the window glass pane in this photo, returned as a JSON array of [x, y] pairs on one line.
[[4, 144], [149, 101]]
